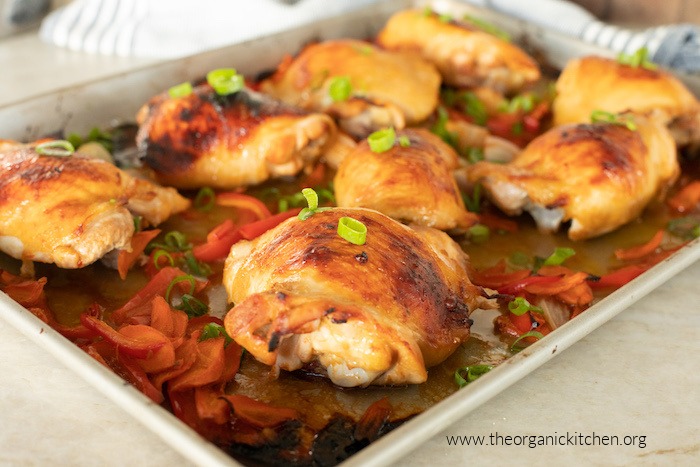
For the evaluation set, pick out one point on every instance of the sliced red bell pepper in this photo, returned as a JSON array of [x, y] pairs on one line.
[[219, 242], [255, 229], [523, 323], [640, 251], [241, 201], [139, 241], [618, 278], [514, 287], [686, 199]]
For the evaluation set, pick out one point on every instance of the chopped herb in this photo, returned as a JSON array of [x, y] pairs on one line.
[[382, 140], [475, 155], [212, 331], [205, 199], [445, 18], [517, 348], [687, 227], [439, 128], [601, 116], [193, 306], [639, 58], [479, 233], [519, 306], [225, 81], [340, 88], [175, 281], [138, 220], [517, 128], [312, 200], [352, 230], [404, 141], [474, 107], [180, 90], [55, 148], [195, 267], [473, 202], [560, 255], [162, 254]]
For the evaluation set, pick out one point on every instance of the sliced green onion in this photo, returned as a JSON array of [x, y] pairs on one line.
[[439, 128], [479, 233], [516, 348], [193, 306], [517, 129], [487, 27], [225, 81], [326, 195], [305, 214], [469, 374], [205, 199], [519, 306], [475, 155], [352, 230], [445, 17], [686, 227], [601, 116], [560, 255], [427, 12], [138, 220], [178, 279], [473, 202], [696, 231], [180, 90], [282, 205], [162, 254], [194, 267], [404, 141], [340, 88], [519, 259], [311, 198], [522, 102], [382, 140], [639, 58], [474, 107], [176, 241], [212, 331], [56, 148]]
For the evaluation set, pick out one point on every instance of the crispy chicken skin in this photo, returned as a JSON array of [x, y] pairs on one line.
[[387, 88], [598, 176], [380, 313], [73, 210], [464, 55], [413, 183], [596, 83], [245, 138]]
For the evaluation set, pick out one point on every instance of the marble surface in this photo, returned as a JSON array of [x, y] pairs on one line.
[[637, 375]]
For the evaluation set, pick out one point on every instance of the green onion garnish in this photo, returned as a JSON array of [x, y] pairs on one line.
[[225, 81], [516, 348], [639, 58], [475, 155], [445, 18], [180, 90], [517, 129], [601, 116], [340, 88], [56, 148], [474, 107], [352, 230], [311, 198], [473, 202], [439, 128], [194, 267], [478, 233], [205, 199], [469, 374], [519, 306], [560, 255], [404, 141], [519, 259], [177, 280], [193, 306], [137, 223], [382, 140], [212, 331], [160, 254], [487, 27], [522, 102], [427, 12], [687, 227]]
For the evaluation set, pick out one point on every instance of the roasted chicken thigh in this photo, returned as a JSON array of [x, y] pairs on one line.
[[71, 211], [364, 87], [596, 83], [380, 313], [464, 55], [412, 182], [245, 138], [597, 176]]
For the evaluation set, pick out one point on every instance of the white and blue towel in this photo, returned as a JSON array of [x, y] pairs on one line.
[[175, 28]]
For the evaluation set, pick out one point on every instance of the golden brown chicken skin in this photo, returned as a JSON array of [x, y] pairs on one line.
[[244, 138], [386, 88], [596, 83], [413, 183], [379, 313], [464, 55], [71, 211], [597, 176]]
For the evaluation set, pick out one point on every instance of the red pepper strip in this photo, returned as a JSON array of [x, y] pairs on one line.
[[69, 332], [640, 251], [139, 241], [373, 420], [561, 284], [207, 367], [258, 413], [137, 347], [241, 201], [130, 371], [523, 323], [255, 229], [210, 406], [618, 278], [533, 120], [219, 242], [27, 293], [686, 199], [496, 276], [502, 325], [514, 287], [496, 222], [159, 360]]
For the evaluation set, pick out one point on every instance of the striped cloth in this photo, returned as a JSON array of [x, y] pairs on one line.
[[674, 46], [175, 28]]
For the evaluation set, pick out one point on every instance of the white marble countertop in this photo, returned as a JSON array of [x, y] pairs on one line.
[[637, 375]]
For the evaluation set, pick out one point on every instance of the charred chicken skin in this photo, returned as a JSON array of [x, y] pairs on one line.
[[596, 83], [464, 55], [380, 313], [245, 138], [71, 211], [597, 176], [381, 88], [413, 182]]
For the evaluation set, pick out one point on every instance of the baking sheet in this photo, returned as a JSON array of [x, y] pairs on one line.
[[81, 108]]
